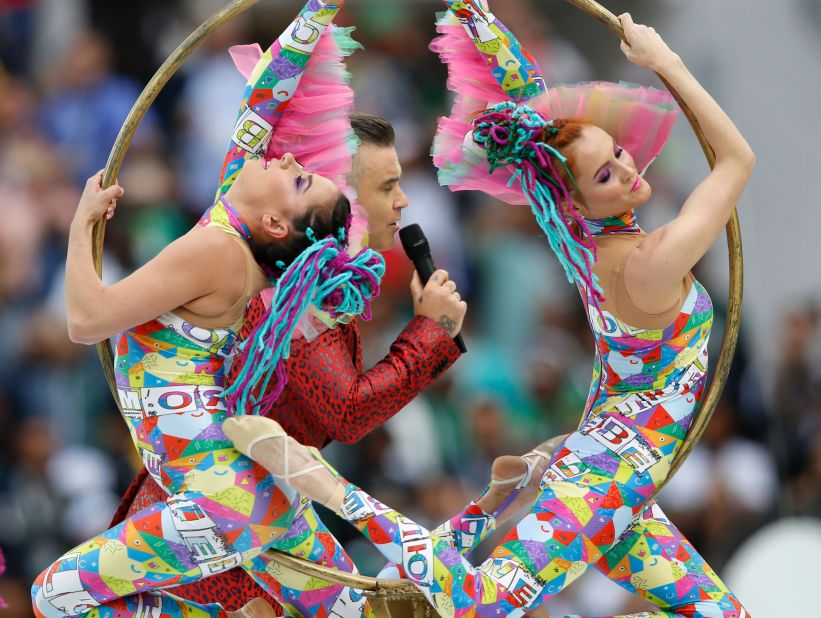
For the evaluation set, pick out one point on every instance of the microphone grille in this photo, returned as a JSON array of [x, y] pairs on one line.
[[414, 241]]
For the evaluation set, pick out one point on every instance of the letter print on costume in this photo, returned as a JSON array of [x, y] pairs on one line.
[[417, 551], [618, 438], [467, 529], [252, 132], [509, 62]]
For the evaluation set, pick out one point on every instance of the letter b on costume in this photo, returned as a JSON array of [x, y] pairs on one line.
[[251, 132], [610, 432]]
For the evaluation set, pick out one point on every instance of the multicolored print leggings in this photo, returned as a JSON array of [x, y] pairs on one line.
[[591, 511], [223, 515]]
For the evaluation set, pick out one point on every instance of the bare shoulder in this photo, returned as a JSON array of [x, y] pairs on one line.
[[652, 286], [210, 248], [214, 259]]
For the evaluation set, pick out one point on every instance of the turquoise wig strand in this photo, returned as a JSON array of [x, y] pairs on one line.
[[510, 135], [323, 275]]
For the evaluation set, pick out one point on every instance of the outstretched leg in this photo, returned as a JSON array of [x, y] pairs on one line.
[[597, 483], [653, 560], [513, 486], [435, 567], [571, 526], [515, 479], [190, 536]]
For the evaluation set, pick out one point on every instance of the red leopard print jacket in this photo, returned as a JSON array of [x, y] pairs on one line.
[[327, 397]]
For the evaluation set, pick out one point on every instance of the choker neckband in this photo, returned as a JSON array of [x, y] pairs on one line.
[[225, 215], [620, 224]]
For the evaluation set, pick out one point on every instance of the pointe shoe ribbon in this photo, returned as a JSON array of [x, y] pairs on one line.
[[248, 430], [532, 460]]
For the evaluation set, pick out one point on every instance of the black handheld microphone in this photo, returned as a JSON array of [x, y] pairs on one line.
[[417, 248]]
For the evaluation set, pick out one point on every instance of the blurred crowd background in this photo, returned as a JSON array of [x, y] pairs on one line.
[[69, 73]]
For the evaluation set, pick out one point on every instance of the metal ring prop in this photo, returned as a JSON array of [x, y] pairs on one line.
[[395, 598]]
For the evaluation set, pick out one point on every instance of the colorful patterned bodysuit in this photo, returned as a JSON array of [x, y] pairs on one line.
[[592, 509], [222, 510], [328, 396]]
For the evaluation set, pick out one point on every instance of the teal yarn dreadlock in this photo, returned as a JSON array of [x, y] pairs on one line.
[[511, 135], [323, 275]]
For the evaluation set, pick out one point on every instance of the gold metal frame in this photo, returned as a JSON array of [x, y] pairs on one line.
[[399, 598]]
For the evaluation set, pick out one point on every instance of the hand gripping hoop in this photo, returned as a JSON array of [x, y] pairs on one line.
[[399, 598]]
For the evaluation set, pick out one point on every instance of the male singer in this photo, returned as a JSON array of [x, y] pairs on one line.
[[328, 396]]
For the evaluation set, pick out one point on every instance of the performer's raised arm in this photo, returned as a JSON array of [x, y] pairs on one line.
[[652, 273], [516, 71], [272, 82]]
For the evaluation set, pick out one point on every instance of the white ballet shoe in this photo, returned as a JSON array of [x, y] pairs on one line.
[[520, 481], [535, 462], [249, 431]]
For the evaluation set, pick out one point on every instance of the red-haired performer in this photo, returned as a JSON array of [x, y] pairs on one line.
[[650, 318]]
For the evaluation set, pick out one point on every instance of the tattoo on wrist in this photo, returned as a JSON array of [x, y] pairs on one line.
[[448, 324], [420, 299]]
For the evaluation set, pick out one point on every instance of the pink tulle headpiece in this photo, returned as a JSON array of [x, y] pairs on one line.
[[638, 117], [316, 130]]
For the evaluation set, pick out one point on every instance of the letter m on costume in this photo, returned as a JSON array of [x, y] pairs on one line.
[[130, 402]]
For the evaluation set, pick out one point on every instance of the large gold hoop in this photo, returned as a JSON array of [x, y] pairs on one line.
[[399, 598]]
